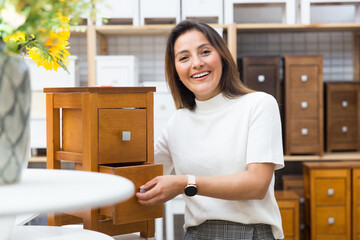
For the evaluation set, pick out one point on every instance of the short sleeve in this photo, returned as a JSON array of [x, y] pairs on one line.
[[265, 137], [162, 152]]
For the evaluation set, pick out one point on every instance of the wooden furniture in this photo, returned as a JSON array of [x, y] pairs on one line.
[[342, 116], [332, 200], [262, 74], [288, 202], [303, 105], [110, 130]]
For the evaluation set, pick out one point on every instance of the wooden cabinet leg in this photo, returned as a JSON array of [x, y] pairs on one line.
[[150, 231]]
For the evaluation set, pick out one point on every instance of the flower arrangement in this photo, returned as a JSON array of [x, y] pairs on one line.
[[40, 29]]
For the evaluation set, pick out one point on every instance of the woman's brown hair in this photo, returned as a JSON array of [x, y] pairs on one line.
[[230, 83]]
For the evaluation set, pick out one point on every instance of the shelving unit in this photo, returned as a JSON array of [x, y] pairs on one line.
[[100, 33]]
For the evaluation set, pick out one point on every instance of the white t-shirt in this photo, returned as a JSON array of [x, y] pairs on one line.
[[220, 137]]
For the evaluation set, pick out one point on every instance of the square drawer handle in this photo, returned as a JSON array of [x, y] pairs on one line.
[[331, 220], [126, 136], [304, 131], [331, 192], [344, 104], [344, 129], [304, 105], [304, 78], [261, 78]]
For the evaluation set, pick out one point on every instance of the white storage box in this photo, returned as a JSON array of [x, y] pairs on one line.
[[41, 78], [164, 106], [210, 11], [119, 11], [288, 8], [117, 71], [159, 11], [331, 11]]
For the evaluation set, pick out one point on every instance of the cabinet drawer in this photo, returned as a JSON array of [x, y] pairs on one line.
[[288, 217], [343, 103], [331, 237], [122, 135], [330, 191], [344, 129], [131, 210], [304, 77], [331, 220], [262, 78], [304, 131], [304, 105], [356, 187]]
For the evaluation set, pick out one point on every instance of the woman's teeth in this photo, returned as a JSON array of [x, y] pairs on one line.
[[200, 75]]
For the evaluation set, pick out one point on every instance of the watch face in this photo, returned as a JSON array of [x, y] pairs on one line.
[[190, 191]]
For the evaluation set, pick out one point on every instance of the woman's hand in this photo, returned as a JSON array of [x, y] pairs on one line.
[[161, 189]]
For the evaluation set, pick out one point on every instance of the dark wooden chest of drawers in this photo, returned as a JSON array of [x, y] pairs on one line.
[[262, 74], [303, 105], [342, 116]]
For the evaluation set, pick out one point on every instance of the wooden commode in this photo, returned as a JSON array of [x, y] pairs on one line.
[[332, 200], [109, 130], [288, 202], [304, 105], [342, 116]]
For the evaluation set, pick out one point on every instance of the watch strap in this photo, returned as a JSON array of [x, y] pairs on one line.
[[191, 180]]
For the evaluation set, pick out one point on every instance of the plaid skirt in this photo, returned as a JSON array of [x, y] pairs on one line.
[[226, 230]]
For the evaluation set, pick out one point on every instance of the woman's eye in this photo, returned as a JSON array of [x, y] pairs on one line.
[[182, 58], [205, 52]]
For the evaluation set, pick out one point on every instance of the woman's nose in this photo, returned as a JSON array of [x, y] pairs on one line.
[[197, 62]]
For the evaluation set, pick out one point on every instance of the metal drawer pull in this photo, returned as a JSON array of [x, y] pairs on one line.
[[304, 105], [126, 136], [344, 129], [304, 131], [331, 192], [331, 220], [261, 78], [344, 104], [304, 78]]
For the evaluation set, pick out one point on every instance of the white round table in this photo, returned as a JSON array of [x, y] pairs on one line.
[[42, 191], [56, 233]]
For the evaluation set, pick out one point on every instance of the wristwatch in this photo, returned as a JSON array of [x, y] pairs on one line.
[[191, 188]]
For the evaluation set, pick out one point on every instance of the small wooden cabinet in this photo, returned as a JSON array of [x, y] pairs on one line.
[[331, 200], [304, 105], [342, 116], [262, 74], [288, 202], [109, 130]]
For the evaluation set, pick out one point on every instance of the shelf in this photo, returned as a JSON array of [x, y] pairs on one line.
[[297, 27], [333, 156], [151, 30]]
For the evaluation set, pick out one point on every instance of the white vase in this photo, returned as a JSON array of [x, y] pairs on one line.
[[15, 95]]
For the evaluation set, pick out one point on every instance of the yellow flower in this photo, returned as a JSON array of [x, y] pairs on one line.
[[16, 37]]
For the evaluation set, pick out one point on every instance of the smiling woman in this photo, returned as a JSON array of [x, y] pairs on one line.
[[224, 143]]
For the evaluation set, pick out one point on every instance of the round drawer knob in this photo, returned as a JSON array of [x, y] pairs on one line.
[[162, 107], [304, 131], [344, 104], [331, 220], [331, 192], [344, 129], [304, 105], [261, 78], [304, 78]]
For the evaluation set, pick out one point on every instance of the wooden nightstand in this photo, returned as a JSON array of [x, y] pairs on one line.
[[110, 130]]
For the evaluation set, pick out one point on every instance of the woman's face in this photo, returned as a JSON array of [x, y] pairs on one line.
[[198, 64]]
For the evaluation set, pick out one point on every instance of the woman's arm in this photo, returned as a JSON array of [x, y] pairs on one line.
[[250, 184]]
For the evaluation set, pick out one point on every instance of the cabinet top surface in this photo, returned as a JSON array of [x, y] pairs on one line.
[[100, 90], [345, 164]]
